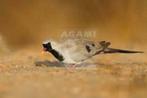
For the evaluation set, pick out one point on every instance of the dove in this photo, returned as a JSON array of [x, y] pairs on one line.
[[77, 51]]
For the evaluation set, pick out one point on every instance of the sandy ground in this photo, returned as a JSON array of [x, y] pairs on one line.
[[115, 76]]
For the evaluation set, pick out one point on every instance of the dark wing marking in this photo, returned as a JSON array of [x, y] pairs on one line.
[[88, 48], [105, 44]]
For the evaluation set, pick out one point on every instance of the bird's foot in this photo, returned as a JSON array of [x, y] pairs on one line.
[[71, 67]]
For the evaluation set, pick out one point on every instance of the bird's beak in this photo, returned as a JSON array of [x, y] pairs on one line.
[[44, 50]]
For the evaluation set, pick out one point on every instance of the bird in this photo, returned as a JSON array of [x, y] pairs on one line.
[[76, 51]]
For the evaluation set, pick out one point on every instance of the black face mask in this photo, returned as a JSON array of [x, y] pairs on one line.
[[47, 46], [54, 52]]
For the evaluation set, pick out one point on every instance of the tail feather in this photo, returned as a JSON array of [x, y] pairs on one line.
[[112, 50]]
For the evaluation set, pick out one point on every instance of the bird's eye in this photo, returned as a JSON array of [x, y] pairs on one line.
[[44, 45]]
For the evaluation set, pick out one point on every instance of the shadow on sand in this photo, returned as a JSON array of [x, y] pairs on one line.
[[49, 63], [60, 64]]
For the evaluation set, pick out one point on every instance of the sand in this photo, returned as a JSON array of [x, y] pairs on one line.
[[115, 76]]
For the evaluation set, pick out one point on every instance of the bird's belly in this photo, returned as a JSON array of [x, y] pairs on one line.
[[67, 58], [78, 57]]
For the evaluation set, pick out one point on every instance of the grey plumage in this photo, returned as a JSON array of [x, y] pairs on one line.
[[77, 50]]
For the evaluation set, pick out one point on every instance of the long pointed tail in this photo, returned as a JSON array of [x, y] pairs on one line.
[[112, 50]]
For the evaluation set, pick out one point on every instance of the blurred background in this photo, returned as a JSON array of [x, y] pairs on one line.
[[27, 22]]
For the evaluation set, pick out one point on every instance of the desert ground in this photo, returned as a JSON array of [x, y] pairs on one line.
[[114, 76]]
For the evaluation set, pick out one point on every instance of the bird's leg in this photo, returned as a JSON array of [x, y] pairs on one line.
[[71, 67]]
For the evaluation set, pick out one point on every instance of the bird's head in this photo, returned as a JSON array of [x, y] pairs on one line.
[[47, 46]]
